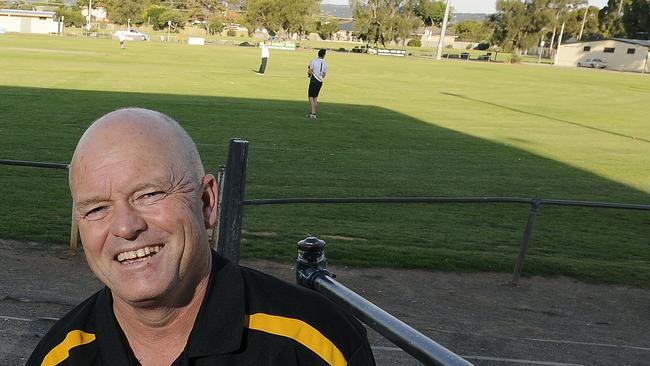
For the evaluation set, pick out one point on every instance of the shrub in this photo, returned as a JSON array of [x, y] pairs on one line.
[[515, 58], [231, 33], [414, 42]]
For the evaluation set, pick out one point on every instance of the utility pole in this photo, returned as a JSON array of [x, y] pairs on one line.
[[620, 7], [540, 49], [90, 6], [441, 41], [584, 19], [559, 43]]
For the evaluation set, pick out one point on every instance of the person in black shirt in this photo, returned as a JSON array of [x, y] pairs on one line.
[[144, 204]]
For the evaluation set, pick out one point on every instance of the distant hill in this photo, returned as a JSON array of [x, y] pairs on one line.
[[337, 11], [344, 11], [459, 17]]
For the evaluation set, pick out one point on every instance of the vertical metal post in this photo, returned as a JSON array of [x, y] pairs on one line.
[[232, 205], [74, 229], [523, 248], [214, 232]]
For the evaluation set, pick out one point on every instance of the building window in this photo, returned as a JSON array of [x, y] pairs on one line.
[[586, 48], [630, 51], [609, 50]]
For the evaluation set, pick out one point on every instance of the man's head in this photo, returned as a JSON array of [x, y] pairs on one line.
[[143, 203], [321, 53]]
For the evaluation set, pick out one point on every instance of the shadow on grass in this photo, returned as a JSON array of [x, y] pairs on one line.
[[545, 117], [350, 151]]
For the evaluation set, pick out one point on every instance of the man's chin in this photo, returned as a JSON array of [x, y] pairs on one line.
[[142, 297]]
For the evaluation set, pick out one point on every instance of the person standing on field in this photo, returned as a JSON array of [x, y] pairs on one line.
[[265, 58], [122, 37], [316, 71]]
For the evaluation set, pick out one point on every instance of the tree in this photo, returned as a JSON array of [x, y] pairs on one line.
[[519, 25], [563, 12], [288, 16], [327, 28], [215, 25], [153, 16], [383, 21], [591, 30], [636, 19], [120, 11], [431, 12], [610, 19], [173, 18], [72, 17], [472, 31]]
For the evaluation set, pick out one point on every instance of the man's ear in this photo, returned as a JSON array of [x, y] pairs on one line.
[[210, 200]]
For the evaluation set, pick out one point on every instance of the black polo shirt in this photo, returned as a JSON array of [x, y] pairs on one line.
[[246, 318]]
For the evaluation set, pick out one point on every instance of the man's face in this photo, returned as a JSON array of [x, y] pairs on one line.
[[142, 218]]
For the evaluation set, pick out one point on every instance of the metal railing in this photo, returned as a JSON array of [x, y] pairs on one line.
[[38, 164], [535, 204], [232, 202], [311, 272]]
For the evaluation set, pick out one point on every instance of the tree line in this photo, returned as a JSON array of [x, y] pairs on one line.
[[516, 25]]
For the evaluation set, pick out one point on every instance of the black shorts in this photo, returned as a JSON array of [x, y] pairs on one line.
[[314, 88]]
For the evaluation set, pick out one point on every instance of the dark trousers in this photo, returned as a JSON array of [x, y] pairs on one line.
[[263, 65]]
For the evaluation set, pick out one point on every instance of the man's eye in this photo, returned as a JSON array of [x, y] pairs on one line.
[[95, 213], [155, 194]]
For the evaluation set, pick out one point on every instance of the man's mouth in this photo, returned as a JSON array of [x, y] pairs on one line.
[[138, 255]]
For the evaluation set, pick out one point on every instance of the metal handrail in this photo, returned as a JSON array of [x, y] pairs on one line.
[[34, 164], [530, 201], [311, 272]]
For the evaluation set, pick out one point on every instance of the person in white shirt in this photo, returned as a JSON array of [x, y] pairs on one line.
[[265, 58], [316, 71], [122, 37]]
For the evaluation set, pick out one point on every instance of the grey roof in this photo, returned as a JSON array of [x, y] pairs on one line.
[[32, 13], [640, 42]]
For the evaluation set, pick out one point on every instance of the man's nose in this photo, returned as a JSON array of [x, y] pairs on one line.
[[127, 222]]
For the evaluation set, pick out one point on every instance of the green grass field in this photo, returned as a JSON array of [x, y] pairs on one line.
[[386, 127]]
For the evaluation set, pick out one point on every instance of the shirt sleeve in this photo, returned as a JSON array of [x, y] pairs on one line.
[[362, 356]]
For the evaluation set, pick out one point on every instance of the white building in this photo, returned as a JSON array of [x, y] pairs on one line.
[[28, 21], [620, 54]]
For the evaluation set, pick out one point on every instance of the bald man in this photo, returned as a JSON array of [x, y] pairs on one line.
[[144, 204]]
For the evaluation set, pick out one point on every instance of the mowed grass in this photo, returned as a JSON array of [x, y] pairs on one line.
[[386, 127]]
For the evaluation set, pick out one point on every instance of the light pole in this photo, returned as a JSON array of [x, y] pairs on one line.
[[559, 43], [582, 26], [441, 41], [90, 6]]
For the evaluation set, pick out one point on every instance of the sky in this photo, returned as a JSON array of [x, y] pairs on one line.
[[472, 6]]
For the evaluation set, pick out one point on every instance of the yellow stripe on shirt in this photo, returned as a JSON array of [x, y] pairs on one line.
[[299, 331], [61, 352]]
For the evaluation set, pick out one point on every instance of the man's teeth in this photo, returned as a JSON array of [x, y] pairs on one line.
[[140, 253]]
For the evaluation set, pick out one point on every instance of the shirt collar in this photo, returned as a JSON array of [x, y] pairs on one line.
[[219, 326], [113, 346]]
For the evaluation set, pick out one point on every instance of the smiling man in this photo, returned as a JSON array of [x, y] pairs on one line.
[[144, 204]]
